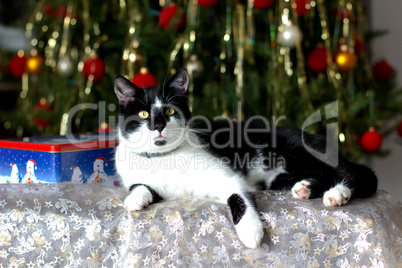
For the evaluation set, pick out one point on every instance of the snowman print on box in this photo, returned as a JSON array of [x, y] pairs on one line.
[[30, 176], [15, 175], [92, 173], [98, 175], [77, 175]]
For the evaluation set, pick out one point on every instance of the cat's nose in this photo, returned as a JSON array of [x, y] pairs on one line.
[[159, 123], [159, 127]]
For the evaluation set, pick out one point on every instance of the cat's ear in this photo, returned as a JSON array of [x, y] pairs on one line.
[[179, 81], [124, 89]]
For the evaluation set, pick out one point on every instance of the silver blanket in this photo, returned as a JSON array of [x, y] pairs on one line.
[[67, 225]]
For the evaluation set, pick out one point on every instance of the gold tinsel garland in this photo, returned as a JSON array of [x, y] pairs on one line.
[[237, 46]]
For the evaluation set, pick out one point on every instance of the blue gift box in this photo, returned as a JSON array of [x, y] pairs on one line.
[[78, 158]]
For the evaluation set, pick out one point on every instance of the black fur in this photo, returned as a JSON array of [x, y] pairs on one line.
[[283, 181], [285, 147], [155, 196], [251, 197], [237, 207]]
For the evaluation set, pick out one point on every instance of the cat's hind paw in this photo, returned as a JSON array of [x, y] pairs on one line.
[[138, 199], [301, 190], [337, 196]]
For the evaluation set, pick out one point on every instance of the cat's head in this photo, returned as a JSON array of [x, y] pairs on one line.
[[153, 119]]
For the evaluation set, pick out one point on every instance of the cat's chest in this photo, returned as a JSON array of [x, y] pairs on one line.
[[179, 173], [180, 163]]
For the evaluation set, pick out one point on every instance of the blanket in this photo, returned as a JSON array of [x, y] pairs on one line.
[[73, 225]]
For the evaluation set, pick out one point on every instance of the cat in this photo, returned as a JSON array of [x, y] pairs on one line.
[[163, 154]]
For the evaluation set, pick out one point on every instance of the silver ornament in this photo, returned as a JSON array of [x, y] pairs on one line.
[[64, 66], [289, 35]]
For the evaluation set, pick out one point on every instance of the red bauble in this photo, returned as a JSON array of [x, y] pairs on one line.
[[263, 4], [42, 108], [317, 60], [301, 7], [340, 14], [360, 46], [382, 71], [207, 3], [167, 14], [400, 129], [17, 66], [371, 141], [47, 9], [95, 67], [145, 79], [61, 12]]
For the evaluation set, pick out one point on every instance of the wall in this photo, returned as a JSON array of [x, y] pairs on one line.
[[386, 15]]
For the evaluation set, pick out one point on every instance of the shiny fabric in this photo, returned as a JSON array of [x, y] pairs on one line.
[[67, 225]]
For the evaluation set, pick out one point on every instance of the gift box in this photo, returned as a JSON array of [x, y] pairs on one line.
[[79, 158]]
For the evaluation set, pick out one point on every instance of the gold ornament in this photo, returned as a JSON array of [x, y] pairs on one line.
[[346, 61], [34, 65]]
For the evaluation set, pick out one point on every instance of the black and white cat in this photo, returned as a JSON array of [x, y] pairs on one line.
[[162, 154]]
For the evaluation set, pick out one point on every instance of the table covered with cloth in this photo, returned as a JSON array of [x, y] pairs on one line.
[[87, 225]]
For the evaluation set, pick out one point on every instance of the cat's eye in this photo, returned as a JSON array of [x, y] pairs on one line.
[[143, 114], [169, 111]]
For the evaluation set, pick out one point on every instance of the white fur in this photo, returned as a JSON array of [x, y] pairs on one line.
[[184, 171], [337, 196], [269, 176], [250, 228], [138, 199], [257, 171], [158, 103], [300, 190]]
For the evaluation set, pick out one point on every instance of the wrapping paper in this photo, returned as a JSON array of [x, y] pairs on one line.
[[68, 225]]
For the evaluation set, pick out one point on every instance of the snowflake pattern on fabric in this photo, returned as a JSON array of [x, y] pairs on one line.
[[57, 225]]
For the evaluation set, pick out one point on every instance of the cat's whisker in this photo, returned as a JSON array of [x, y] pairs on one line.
[[141, 102], [198, 132], [169, 100], [163, 86], [177, 132], [167, 97], [145, 93]]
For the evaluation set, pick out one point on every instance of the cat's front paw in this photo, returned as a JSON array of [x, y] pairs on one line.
[[337, 196], [250, 229], [301, 190], [138, 199]]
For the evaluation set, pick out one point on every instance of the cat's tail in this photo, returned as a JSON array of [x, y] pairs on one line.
[[365, 181]]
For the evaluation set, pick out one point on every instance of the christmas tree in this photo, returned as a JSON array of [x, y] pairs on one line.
[[285, 60]]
